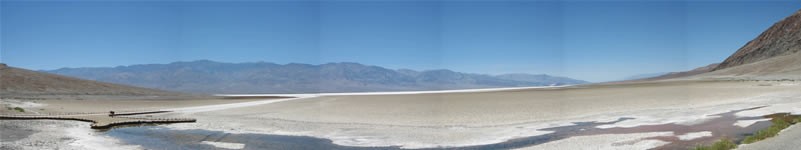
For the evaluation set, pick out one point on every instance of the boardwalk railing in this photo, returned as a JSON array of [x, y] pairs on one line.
[[99, 123], [31, 117], [154, 120]]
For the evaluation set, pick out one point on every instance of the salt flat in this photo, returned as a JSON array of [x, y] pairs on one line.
[[486, 117], [464, 117], [454, 118], [56, 106], [505, 107]]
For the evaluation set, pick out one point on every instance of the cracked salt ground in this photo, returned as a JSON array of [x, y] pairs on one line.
[[667, 136]]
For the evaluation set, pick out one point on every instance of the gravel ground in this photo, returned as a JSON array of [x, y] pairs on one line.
[[41, 134]]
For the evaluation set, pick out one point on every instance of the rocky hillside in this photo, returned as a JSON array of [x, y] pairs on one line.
[[773, 55], [781, 39], [216, 77], [26, 84]]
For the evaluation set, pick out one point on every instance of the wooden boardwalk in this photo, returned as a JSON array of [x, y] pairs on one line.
[[102, 120]]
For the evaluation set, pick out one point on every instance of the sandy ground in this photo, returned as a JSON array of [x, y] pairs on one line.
[[505, 107], [776, 68], [461, 119]]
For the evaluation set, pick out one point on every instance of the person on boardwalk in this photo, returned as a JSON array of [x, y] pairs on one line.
[[111, 113]]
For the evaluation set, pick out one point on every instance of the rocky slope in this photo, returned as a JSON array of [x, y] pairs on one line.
[[215, 77], [781, 39], [773, 55], [19, 83]]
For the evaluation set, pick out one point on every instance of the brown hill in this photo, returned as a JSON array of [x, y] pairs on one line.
[[26, 84], [777, 68], [781, 39], [773, 55], [672, 75]]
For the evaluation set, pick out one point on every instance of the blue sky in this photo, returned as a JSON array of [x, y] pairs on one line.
[[597, 40]]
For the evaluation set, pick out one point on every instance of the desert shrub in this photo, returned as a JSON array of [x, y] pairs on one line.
[[722, 144], [795, 119], [773, 130], [19, 109]]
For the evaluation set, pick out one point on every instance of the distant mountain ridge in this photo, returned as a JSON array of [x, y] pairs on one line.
[[18, 83], [206, 76]]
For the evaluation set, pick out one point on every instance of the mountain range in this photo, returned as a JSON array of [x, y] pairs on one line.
[[773, 55], [205, 76]]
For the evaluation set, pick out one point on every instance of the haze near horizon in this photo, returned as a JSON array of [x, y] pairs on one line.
[[594, 41]]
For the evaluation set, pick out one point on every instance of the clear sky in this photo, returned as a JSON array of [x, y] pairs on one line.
[[598, 40]]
